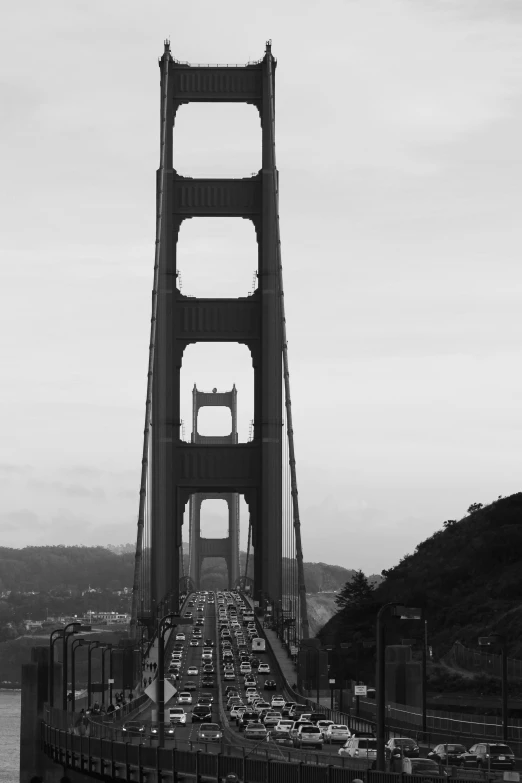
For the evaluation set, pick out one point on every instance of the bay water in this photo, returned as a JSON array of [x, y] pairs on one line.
[[10, 736]]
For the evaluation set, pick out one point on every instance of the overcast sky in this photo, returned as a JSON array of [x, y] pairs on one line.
[[398, 127]]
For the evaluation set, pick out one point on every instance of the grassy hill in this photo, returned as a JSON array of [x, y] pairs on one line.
[[467, 576]]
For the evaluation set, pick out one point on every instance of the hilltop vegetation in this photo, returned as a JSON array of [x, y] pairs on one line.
[[467, 576]]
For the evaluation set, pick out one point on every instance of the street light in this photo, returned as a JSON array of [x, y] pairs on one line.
[[405, 613], [74, 646], [104, 650], [500, 640], [59, 635], [92, 646], [75, 627]]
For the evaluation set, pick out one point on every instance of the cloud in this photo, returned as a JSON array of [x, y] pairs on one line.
[[19, 521]]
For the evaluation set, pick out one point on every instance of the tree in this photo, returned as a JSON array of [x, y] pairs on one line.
[[356, 595], [475, 507]]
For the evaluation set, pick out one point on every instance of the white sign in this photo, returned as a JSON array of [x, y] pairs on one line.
[[111, 682], [332, 682], [512, 776], [169, 691], [360, 690], [293, 650]]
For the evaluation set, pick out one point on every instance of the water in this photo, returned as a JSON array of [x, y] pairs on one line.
[[10, 736]]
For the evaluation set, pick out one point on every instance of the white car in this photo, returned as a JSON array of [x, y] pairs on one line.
[[180, 637], [185, 697], [177, 715], [263, 668], [323, 725], [337, 732], [251, 697], [277, 701], [207, 656], [284, 725], [192, 671], [235, 708], [194, 643], [229, 676]]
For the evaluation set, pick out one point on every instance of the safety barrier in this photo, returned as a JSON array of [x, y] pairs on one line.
[[126, 761]]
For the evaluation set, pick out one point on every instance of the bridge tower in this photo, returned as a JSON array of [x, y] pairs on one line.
[[174, 471], [227, 548]]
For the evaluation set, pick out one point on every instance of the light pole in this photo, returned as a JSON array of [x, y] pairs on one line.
[[104, 650], [75, 626], [74, 646], [405, 613], [59, 635], [92, 646], [500, 640]]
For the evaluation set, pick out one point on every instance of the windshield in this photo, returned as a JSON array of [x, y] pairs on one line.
[[368, 743], [310, 730], [423, 764], [403, 742], [455, 748], [500, 749], [339, 728], [209, 727]]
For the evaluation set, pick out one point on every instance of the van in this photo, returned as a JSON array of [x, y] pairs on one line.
[[258, 645], [360, 748]]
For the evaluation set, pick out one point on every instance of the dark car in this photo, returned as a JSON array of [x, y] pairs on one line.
[[190, 685], [208, 682], [447, 753], [399, 747], [201, 712], [270, 685], [484, 755], [209, 643], [168, 730], [315, 716], [133, 728], [254, 662], [246, 718]]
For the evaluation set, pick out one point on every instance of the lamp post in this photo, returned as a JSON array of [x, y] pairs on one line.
[[405, 613], [500, 640], [74, 626], [59, 635], [92, 646], [104, 650], [74, 646]]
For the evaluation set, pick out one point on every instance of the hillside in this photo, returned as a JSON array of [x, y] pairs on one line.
[[467, 576], [321, 607]]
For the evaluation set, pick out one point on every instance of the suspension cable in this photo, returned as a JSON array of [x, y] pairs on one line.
[[152, 344], [286, 373], [248, 549]]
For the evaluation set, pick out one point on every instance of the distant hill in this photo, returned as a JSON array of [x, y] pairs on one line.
[[468, 576]]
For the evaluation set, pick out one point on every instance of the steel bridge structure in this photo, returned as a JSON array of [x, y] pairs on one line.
[[177, 473]]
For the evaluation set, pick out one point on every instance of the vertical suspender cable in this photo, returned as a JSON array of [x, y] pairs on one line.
[[152, 343], [248, 550], [288, 402]]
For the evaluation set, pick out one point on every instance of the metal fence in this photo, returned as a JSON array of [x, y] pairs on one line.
[[483, 662]]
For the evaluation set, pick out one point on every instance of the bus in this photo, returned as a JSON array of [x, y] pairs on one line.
[[258, 645]]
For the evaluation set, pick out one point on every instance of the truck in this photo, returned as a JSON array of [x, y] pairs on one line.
[[258, 645]]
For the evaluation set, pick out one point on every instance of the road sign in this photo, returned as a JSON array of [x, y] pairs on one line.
[[332, 682], [360, 690], [111, 682], [152, 691], [515, 776]]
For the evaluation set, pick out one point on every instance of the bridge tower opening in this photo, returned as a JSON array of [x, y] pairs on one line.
[[201, 548]]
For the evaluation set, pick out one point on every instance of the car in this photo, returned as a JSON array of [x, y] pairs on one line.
[[190, 685], [249, 716], [306, 717], [260, 706], [447, 753], [180, 637], [177, 715], [245, 668], [252, 697], [209, 696], [423, 768], [209, 732], [296, 710], [168, 730], [204, 701], [231, 690], [284, 725], [208, 682], [208, 668], [256, 731], [277, 701], [206, 657], [270, 685], [192, 671], [133, 728], [314, 717], [200, 622], [263, 668], [255, 663], [233, 700], [271, 718], [359, 748], [323, 725], [399, 747], [184, 697], [309, 735], [202, 712], [250, 681], [209, 643], [337, 732], [235, 710], [485, 755], [194, 643], [229, 676]]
